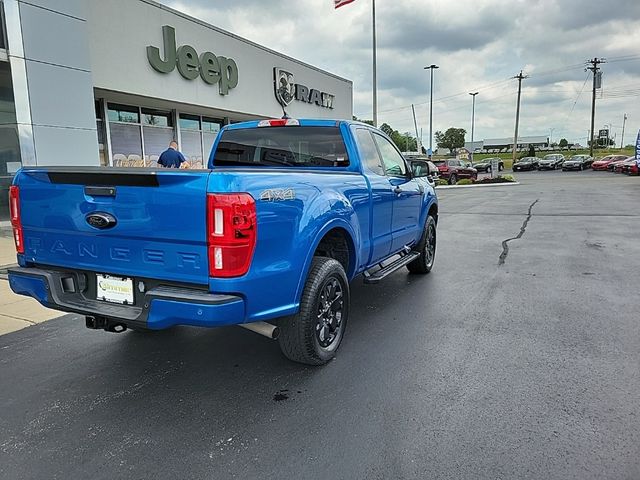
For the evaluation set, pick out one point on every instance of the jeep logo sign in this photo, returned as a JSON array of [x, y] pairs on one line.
[[286, 90], [208, 66]]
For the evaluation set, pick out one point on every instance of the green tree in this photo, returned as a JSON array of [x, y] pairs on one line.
[[453, 138], [386, 128], [532, 151], [563, 143], [368, 122]]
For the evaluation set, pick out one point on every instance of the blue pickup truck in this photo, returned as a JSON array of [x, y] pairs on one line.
[[268, 237]]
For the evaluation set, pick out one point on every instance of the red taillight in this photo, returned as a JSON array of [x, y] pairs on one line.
[[231, 233], [14, 212]]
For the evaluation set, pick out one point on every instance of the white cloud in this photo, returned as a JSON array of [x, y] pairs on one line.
[[479, 45]]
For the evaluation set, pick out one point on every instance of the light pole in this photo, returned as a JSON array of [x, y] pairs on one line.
[[431, 67], [624, 121], [551, 135], [473, 118]]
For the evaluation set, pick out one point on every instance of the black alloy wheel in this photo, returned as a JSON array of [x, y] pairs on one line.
[[330, 312], [314, 334], [426, 247]]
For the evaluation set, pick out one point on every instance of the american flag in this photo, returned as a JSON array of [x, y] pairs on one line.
[[341, 3]]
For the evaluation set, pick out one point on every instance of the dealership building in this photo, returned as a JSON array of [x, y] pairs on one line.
[[112, 82]]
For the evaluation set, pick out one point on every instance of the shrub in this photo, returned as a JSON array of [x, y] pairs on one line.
[[465, 181], [442, 181], [502, 179]]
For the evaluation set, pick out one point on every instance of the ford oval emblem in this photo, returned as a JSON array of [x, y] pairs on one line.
[[101, 220]]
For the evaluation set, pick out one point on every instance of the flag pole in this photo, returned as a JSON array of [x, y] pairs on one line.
[[375, 79]]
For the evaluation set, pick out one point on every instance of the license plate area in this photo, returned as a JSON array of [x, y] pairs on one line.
[[114, 289]]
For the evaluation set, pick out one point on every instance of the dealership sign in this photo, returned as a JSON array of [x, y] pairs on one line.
[[211, 68], [287, 90], [638, 149]]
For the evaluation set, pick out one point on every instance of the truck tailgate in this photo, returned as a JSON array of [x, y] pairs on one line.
[[159, 215]]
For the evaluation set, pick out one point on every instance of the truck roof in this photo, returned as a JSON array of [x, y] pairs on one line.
[[304, 122]]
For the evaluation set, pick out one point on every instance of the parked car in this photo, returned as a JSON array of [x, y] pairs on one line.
[[526, 163], [551, 161], [623, 167], [604, 162], [633, 169], [287, 214], [577, 162], [613, 165], [484, 165], [453, 170], [421, 166]]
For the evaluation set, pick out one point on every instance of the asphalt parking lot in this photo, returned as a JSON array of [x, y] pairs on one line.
[[515, 358]]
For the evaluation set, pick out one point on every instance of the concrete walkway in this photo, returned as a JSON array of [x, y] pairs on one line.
[[16, 311]]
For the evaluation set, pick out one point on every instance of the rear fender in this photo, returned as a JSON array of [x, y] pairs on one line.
[[354, 257]]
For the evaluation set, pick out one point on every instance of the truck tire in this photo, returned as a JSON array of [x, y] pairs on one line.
[[313, 335], [453, 179], [426, 247]]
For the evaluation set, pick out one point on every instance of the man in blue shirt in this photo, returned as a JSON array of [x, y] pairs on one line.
[[171, 157]]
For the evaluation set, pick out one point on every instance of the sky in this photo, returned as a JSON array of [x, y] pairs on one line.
[[479, 45]]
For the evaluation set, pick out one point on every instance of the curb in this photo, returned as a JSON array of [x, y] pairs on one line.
[[506, 184]]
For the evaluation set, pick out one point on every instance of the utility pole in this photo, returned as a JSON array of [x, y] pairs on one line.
[[624, 121], [520, 77], [415, 125], [594, 68], [473, 119], [551, 135]]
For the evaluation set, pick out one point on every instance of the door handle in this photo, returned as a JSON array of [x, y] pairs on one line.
[[397, 190]]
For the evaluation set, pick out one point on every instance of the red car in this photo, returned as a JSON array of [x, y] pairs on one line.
[[632, 168], [624, 166], [453, 170], [619, 163], [603, 163]]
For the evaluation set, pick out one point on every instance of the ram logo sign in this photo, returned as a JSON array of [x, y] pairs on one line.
[[287, 90]]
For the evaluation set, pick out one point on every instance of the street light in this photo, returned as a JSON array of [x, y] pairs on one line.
[[551, 135], [473, 116], [431, 67]]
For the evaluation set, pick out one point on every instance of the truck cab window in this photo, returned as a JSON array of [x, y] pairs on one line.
[[368, 151], [394, 163]]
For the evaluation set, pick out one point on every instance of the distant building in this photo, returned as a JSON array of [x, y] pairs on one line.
[[495, 145]]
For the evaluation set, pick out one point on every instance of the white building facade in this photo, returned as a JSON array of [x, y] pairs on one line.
[[112, 82]]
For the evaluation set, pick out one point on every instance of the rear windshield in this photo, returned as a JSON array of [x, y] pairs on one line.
[[277, 146], [439, 163]]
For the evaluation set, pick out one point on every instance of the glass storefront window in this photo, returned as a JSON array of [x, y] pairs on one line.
[[156, 118], [123, 113], [10, 160], [189, 122], [211, 126]]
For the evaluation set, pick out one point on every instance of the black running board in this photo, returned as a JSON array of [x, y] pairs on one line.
[[385, 271]]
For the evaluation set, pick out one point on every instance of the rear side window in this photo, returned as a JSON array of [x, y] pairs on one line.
[[369, 152], [282, 146]]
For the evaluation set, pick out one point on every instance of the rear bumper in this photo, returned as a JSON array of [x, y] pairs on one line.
[[162, 306]]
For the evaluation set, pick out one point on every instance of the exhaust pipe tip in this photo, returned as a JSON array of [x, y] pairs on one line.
[[263, 328]]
